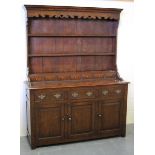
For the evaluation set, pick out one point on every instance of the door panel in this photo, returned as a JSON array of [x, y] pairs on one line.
[[50, 122], [109, 115], [81, 119]]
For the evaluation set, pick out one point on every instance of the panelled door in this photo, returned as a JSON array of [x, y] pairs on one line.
[[80, 119], [77, 120], [109, 113], [50, 123]]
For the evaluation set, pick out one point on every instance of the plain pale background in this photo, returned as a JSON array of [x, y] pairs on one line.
[[124, 56], [139, 40]]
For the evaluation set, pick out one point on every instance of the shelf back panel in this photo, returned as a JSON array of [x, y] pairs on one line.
[[73, 27], [51, 45], [71, 64]]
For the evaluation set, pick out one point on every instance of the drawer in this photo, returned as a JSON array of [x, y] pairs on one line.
[[111, 91], [82, 93], [50, 95]]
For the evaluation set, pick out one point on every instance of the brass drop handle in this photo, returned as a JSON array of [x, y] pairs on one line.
[[105, 92], [63, 119], [57, 96], [118, 91], [75, 94], [89, 93], [41, 96]]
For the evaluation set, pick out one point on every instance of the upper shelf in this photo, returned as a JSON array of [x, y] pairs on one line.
[[69, 54], [72, 35]]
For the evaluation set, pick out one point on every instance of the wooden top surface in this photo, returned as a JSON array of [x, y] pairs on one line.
[[73, 83], [50, 7]]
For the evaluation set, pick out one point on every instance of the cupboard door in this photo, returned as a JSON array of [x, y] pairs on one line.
[[109, 115], [50, 123], [81, 120]]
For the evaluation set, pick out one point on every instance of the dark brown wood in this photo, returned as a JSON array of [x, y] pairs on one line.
[[109, 115], [74, 91], [50, 123], [78, 127]]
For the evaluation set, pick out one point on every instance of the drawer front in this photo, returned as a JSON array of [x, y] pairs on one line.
[[111, 91], [82, 93], [79, 93], [50, 95]]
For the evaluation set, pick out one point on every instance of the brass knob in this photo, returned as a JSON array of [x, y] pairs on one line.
[[99, 115], [41, 96], [69, 118], [105, 92], [63, 118]]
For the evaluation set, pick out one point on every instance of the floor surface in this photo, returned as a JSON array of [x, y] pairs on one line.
[[110, 146]]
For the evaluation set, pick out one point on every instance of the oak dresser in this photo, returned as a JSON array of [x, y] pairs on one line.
[[74, 91]]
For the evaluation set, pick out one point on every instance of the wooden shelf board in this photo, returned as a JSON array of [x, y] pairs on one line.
[[58, 35], [69, 54], [73, 83]]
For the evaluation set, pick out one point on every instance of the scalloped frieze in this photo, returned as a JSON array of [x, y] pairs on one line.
[[72, 15], [72, 12]]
